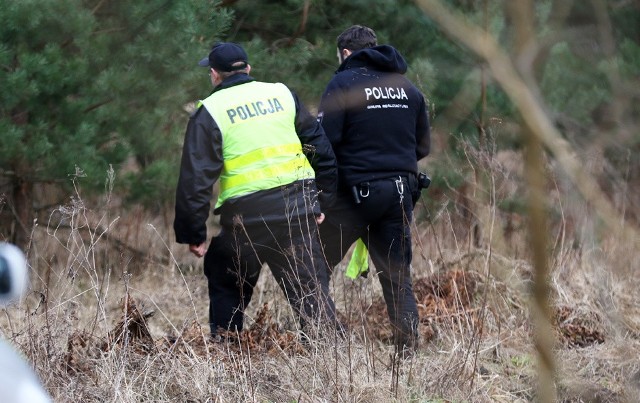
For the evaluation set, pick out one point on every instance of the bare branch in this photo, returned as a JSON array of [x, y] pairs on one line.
[[531, 109]]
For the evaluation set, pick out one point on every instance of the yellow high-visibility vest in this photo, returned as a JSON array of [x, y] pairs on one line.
[[260, 147]]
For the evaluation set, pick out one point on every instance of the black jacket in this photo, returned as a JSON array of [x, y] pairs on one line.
[[202, 164], [375, 118]]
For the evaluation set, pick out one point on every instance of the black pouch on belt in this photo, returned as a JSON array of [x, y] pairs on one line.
[[360, 191]]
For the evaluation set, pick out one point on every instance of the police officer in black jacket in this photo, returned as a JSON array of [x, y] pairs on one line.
[[378, 125], [271, 157]]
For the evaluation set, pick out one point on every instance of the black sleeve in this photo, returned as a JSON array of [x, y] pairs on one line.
[[319, 152], [200, 168], [423, 132], [331, 112]]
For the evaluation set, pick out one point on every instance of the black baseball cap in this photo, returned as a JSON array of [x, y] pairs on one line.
[[224, 55]]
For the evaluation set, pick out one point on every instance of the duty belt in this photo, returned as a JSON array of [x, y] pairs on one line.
[[361, 190]]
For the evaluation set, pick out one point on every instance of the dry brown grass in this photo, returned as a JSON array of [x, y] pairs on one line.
[[117, 312]]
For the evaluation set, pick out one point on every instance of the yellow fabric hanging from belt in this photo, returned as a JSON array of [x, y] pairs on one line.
[[359, 263]]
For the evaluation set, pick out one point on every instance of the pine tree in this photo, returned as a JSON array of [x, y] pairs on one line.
[[85, 84]]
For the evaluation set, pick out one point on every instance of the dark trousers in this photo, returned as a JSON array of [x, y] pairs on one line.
[[292, 251], [382, 219]]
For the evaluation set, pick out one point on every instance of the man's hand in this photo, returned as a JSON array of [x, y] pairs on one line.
[[198, 250], [320, 218]]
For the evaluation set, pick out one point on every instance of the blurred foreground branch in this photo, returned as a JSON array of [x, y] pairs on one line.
[[531, 108]]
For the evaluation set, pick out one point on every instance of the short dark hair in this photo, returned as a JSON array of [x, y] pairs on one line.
[[357, 37], [226, 74]]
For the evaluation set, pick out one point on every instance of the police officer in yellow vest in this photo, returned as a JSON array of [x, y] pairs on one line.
[[275, 167]]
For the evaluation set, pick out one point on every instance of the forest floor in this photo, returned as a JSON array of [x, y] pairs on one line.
[[118, 312]]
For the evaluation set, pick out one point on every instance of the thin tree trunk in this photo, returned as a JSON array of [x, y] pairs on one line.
[[521, 14], [22, 203]]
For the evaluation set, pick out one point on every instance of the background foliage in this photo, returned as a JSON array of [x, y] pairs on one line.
[[93, 84], [89, 85]]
